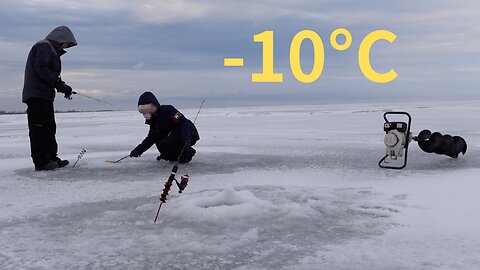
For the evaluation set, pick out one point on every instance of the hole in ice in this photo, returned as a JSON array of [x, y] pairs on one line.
[[227, 197], [218, 206]]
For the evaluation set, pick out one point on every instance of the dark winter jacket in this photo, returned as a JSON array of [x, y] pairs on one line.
[[166, 121], [43, 66]]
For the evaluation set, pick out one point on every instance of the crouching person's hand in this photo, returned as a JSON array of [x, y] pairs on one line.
[[135, 153]]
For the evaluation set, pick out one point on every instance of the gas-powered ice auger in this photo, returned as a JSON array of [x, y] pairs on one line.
[[398, 138]]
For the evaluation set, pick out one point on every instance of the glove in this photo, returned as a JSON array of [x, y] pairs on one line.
[[62, 87], [135, 153]]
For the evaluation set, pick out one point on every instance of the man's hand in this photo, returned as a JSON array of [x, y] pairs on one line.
[[62, 87]]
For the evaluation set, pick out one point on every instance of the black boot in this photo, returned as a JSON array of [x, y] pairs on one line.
[[166, 157], [61, 163], [187, 155], [51, 165]]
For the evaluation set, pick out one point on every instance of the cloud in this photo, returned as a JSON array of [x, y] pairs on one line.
[[177, 47], [467, 69], [140, 65]]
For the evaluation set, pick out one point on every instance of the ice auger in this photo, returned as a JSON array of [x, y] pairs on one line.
[[181, 186], [398, 137]]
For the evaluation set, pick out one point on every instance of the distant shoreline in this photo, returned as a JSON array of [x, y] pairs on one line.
[[69, 111]]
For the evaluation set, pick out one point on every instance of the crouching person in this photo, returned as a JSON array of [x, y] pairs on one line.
[[169, 130]]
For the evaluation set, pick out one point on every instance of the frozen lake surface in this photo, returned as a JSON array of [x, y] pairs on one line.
[[270, 188]]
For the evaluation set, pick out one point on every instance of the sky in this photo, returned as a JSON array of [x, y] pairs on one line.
[[176, 49]]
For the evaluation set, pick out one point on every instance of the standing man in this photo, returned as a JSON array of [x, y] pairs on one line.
[[42, 77]]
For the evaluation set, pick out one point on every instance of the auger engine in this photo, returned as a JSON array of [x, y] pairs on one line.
[[398, 137]]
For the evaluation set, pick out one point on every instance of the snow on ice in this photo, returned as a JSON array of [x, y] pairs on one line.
[[270, 188]]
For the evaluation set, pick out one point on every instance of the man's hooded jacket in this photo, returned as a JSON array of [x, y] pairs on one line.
[[43, 66]]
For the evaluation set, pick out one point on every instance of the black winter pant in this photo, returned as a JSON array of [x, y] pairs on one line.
[[42, 129], [171, 146]]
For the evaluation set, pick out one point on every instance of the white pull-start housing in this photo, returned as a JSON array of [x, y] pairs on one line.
[[395, 142]]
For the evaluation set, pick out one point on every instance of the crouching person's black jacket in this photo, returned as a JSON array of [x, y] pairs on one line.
[[167, 121]]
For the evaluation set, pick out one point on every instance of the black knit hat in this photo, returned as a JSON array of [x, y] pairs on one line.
[[147, 98]]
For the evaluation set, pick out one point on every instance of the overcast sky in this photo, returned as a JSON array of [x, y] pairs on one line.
[[175, 49]]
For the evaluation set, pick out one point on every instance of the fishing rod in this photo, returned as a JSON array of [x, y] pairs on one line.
[[76, 93], [184, 178], [117, 161]]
